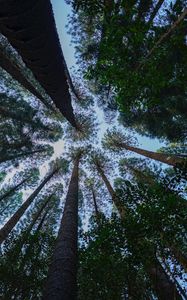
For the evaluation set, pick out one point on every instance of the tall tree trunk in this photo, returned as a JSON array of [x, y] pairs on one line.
[[12, 190], [154, 12], [61, 281], [162, 157], [16, 73], [7, 228], [15, 156], [163, 37], [162, 284], [35, 218], [111, 191], [95, 202]]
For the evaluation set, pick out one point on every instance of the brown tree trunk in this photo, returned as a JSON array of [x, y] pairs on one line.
[[12, 190], [7, 228], [111, 191], [16, 74], [61, 281], [162, 157]]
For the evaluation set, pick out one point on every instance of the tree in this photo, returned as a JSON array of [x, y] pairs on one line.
[[37, 56], [116, 140], [61, 281], [6, 229]]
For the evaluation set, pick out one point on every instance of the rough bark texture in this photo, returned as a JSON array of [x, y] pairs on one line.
[[111, 191], [16, 74], [12, 190], [61, 281], [7, 228], [30, 28], [164, 287], [162, 157]]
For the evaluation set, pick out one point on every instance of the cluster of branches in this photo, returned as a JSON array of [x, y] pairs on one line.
[[133, 54]]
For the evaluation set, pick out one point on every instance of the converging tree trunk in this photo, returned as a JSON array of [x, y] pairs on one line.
[[30, 28], [168, 159], [162, 284], [61, 281], [7, 228], [24, 153], [16, 73], [95, 202], [111, 191], [12, 190]]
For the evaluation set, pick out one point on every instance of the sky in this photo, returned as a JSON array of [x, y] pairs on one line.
[[61, 11]]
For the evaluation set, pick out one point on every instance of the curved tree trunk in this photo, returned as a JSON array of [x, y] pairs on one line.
[[61, 281], [12, 190], [7, 228], [111, 191], [15, 72], [162, 157]]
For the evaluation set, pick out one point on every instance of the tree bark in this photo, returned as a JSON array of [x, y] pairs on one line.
[[162, 157], [12, 190], [111, 191], [7, 228], [16, 74], [61, 281]]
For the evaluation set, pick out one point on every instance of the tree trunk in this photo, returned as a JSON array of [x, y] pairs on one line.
[[61, 281], [164, 287], [30, 28], [154, 12], [26, 153], [95, 202], [16, 74], [163, 284], [12, 190], [35, 218], [111, 191], [162, 157], [163, 37], [7, 228]]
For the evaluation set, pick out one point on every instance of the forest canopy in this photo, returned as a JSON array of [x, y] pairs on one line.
[[93, 159]]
